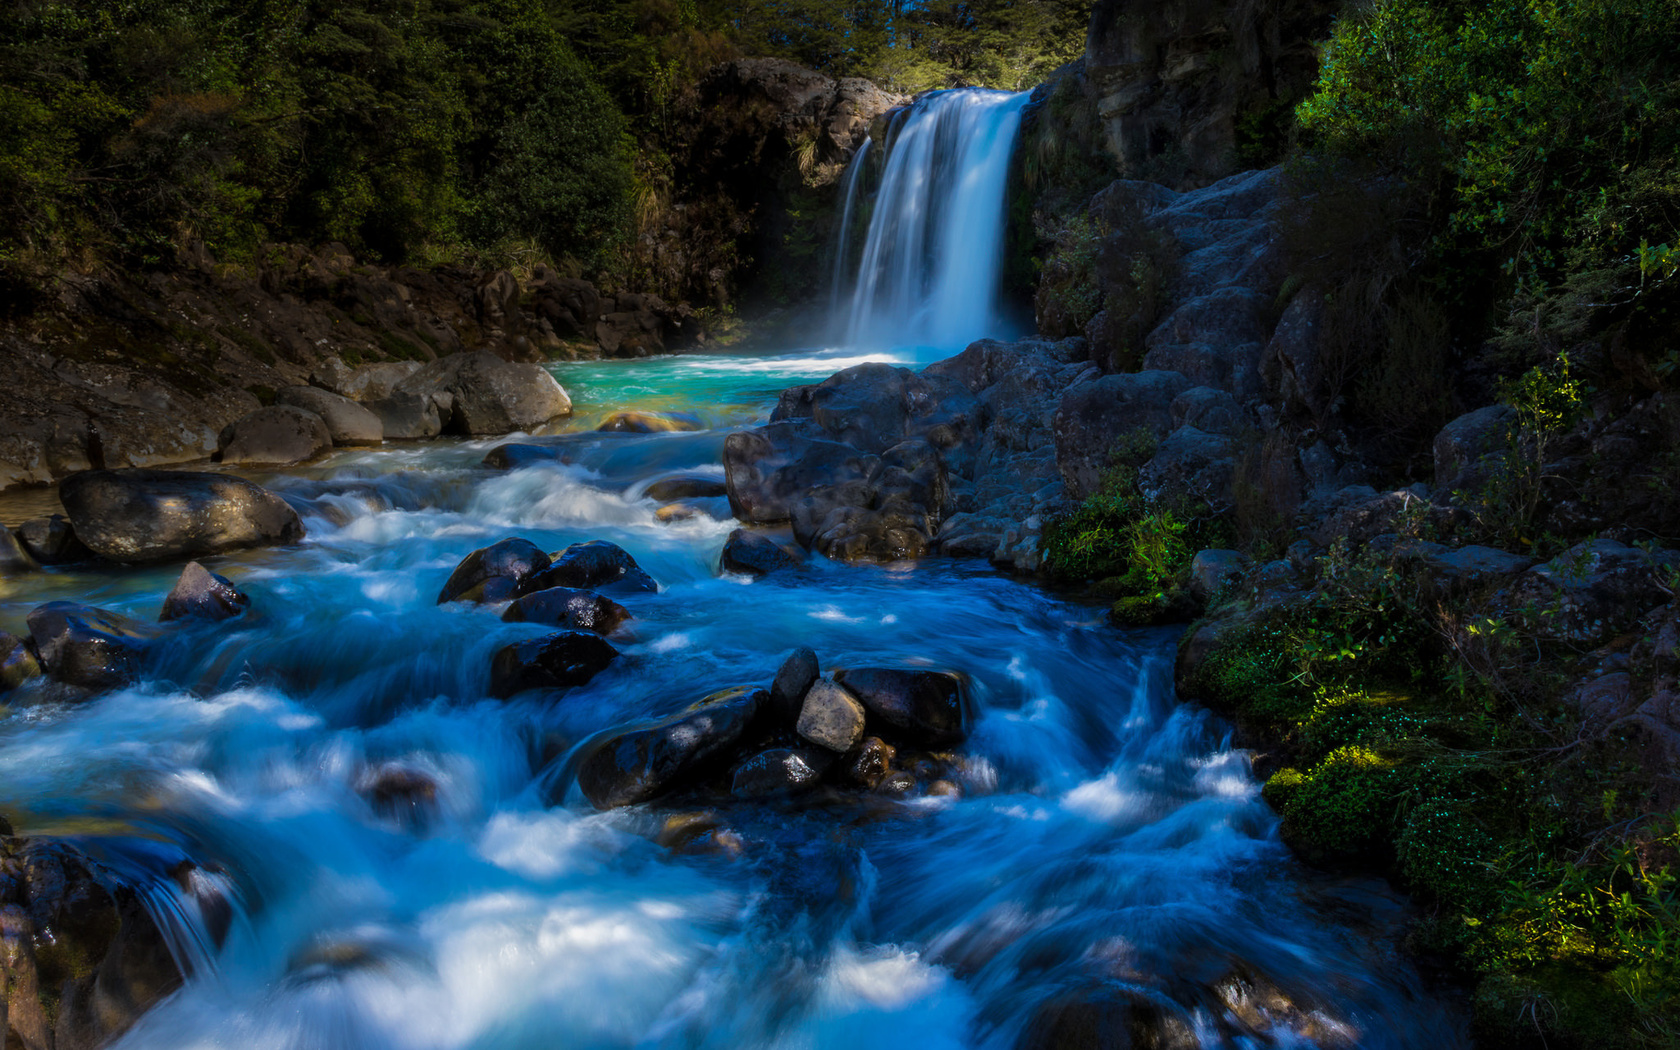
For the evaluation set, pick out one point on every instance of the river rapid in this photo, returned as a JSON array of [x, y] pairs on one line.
[[1108, 845]]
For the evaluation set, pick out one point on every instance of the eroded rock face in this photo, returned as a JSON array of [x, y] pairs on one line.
[[1590, 592], [203, 595], [556, 661], [154, 515], [638, 764], [488, 395], [1174, 81], [1094, 414]]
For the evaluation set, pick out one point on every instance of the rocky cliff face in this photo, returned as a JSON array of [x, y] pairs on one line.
[[1190, 91], [759, 149]]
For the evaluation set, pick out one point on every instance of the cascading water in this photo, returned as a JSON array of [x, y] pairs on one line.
[[842, 250], [930, 268]]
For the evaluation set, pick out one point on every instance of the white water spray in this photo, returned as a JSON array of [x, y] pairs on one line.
[[930, 267]]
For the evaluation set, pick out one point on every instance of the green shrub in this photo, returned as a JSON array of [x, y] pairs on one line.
[[1340, 810]]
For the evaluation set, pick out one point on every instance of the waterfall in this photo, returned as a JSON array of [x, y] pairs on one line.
[[930, 267], [849, 189]]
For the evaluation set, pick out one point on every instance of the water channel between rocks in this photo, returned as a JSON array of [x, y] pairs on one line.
[[1108, 851]]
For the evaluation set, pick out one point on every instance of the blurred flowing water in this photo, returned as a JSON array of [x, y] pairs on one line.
[[1109, 845]]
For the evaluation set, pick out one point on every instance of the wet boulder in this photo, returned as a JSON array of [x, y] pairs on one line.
[[793, 679], [18, 663], [489, 395], [517, 454], [495, 573], [54, 896], [14, 560], [754, 554], [927, 708], [767, 469], [568, 607], [841, 501], [153, 515], [86, 646], [347, 422], [650, 422], [52, 541], [634, 765], [593, 565], [780, 771], [555, 661], [203, 595], [687, 486], [873, 407], [830, 716], [870, 763], [277, 436]]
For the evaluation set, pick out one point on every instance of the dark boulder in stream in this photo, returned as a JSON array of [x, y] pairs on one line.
[[570, 607], [81, 956], [753, 554], [686, 486], [155, 515], [638, 764], [278, 435], [85, 646], [650, 422], [555, 661], [594, 565], [780, 771], [931, 708], [203, 595], [495, 573]]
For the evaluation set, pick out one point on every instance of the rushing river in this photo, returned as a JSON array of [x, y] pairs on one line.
[[1108, 844]]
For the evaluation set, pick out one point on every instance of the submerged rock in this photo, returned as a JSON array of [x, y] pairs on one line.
[[754, 554], [650, 422], [780, 771], [594, 565], [279, 435], [930, 708], [687, 486], [635, 765], [87, 646], [555, 661], [152, 515], [52, 541], [204, 595], [494, 573], [568, 607]]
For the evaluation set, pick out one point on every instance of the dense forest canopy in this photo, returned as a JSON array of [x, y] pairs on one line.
[[411, 130]]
